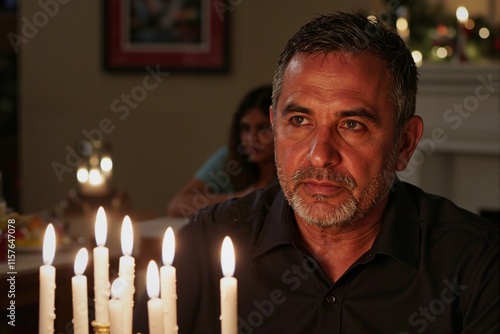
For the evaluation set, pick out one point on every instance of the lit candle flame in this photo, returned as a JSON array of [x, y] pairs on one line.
[[227, 257], [153, 280], [49, 245], [168, 248], [118, 287], [82, 257], [127, 236], [101, 227]]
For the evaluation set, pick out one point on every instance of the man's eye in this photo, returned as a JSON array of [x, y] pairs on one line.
[[298, 120], [352, 125]]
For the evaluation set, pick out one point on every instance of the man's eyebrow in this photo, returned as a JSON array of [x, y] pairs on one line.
[[292, 108], [360, 112]]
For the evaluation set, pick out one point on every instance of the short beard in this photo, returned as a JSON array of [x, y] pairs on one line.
[[325, 215]]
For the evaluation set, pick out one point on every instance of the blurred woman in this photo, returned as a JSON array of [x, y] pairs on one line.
[[244, 165]]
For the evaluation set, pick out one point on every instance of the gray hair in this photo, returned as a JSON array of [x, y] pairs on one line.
[[354, 33]]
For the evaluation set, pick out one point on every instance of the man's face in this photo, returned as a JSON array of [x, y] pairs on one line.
[[334, 130]]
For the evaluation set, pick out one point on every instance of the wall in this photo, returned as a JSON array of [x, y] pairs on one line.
[[458, 156], [64, 91]]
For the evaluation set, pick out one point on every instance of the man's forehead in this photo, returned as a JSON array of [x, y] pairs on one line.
[[330, 76]]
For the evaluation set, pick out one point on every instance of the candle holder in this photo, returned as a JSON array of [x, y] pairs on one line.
[[100, 328]]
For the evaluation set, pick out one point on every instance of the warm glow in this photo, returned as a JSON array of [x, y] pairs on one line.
[[82, 175], [153, 280], [404, 33], [106, 164], [94, 161], [441, 52], [82, 257], [49, 245], [168, 249], [372, 18], [417, 57], [227, 257], [101, 227], [402, 23], [95, 177], [127, 236], [462, 14], [469, 24], [118, 287], [484, 33], [442, 30]]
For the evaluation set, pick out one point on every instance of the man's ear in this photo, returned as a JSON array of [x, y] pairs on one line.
[[408, 141], [271, 116]]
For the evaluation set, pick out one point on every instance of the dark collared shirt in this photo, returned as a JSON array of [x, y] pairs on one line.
[[433, 268]]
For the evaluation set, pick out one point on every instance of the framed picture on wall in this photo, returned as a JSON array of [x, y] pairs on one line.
[[176, 35]]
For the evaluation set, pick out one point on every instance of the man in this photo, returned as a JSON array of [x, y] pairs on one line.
[[342, 246]]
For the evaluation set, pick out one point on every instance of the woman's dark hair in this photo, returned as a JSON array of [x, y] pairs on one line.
[[260, 98]]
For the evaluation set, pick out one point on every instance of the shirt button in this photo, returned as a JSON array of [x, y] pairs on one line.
[[331, 299]]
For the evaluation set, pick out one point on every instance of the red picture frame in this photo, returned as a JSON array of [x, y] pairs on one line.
[[181, 37]]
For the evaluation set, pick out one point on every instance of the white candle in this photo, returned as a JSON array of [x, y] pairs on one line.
[[79, 293], [47, 283], [116, 306], [101, 269], [228, 290], [155, 307], [168, 285], [126, 271]]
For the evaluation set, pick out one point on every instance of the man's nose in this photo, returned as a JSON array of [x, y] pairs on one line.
[[324, 148]]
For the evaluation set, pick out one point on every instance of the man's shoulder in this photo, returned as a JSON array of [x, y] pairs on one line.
[[441, 214], [237, 214]]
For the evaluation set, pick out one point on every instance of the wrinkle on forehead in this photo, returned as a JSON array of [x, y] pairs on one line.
[[328, 76]]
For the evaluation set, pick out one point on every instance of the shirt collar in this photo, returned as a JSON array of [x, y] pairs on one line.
[[277, 227], [398, 236]]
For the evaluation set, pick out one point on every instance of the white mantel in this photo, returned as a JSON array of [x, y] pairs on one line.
[[459, 154]]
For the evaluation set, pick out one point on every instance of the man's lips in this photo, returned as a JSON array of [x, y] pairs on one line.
[[321, 188]]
